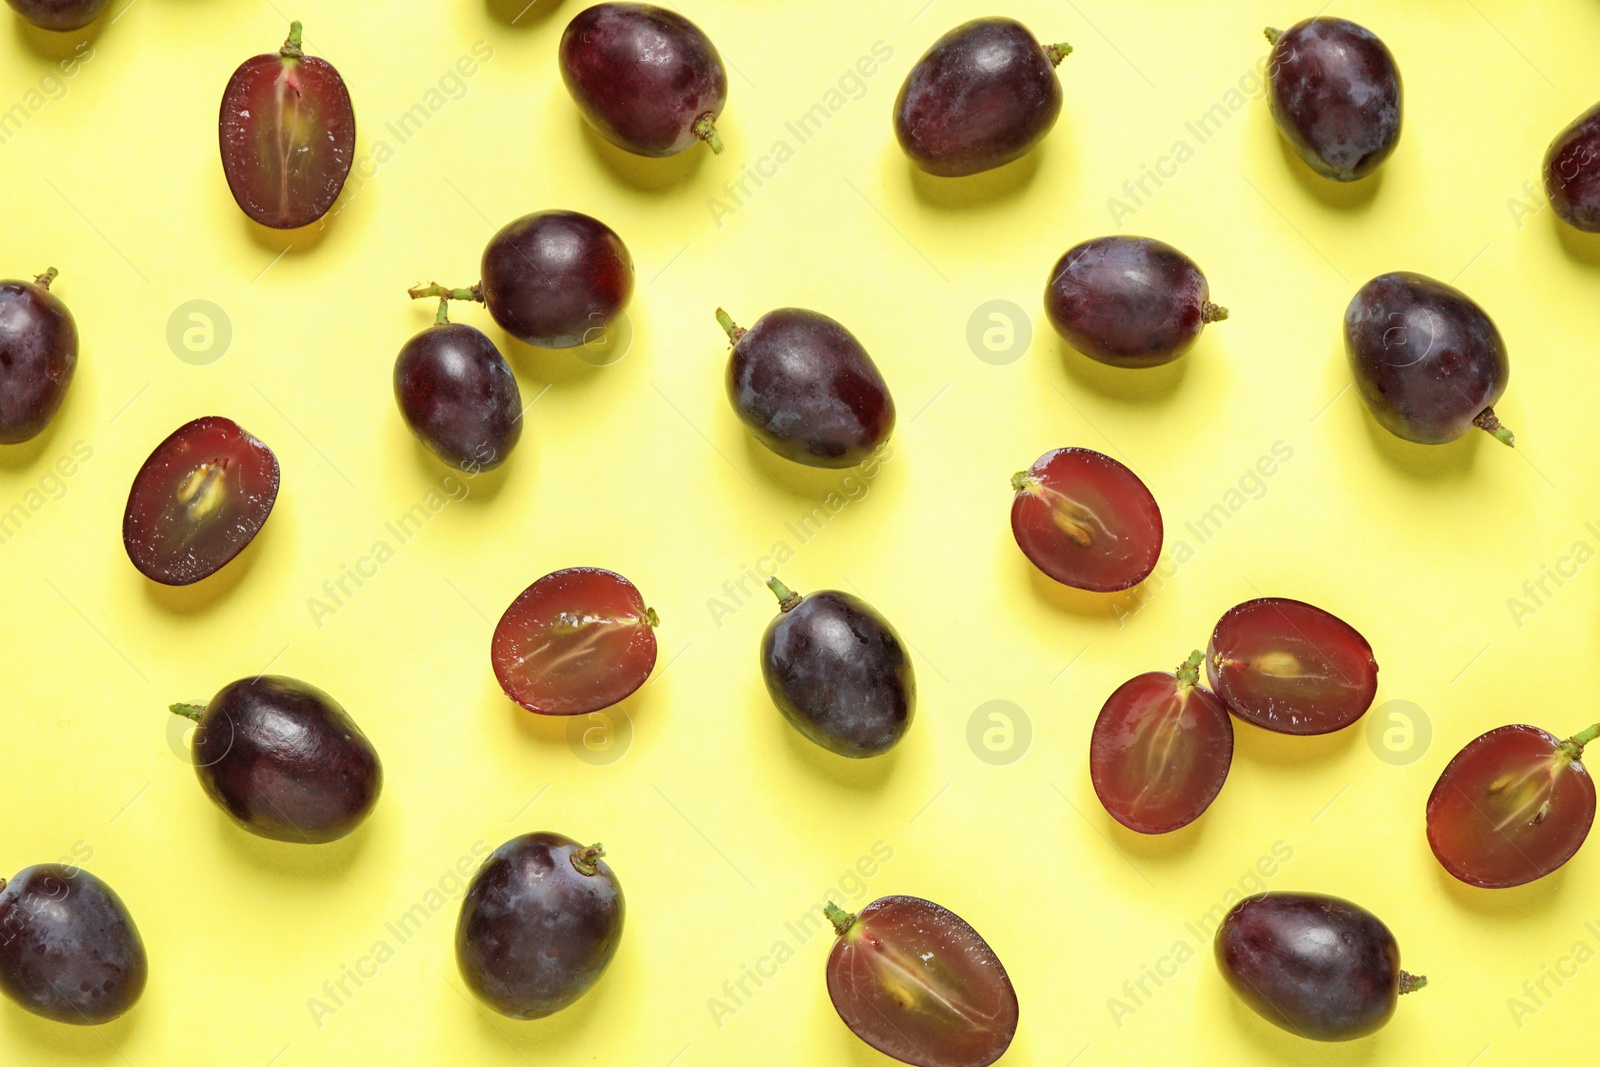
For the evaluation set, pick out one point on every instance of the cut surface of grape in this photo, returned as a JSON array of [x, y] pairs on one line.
[[1161, 750], [575, 641], [201, 497], [1288, 666], [1512, 806], [1086, 520], [916, 982]]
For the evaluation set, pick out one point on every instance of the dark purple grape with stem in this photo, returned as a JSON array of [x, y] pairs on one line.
[[1572, 172], [1335, 93], [69, 950], [458, 395], [38, 355]]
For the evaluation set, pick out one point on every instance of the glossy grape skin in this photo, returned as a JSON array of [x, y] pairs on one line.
[[1086, 520], [1336, 96], [1572, 172], [284, 760], [1315, 965], [201, 497], [916, 982], [1512, 806], [1129, 301], [38, 355], [540, 922], [985, 94], [646, 78], [59, 15], [69, 950], [838, 671], [1428, 361], [1160, 751], [458, 395], [288, 136], [556, 279], [575, 641], [806, 388], [1291, 667]]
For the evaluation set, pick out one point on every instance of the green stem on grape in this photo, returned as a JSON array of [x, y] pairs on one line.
[[1023, 482], [1189, 670], [1273, 35], [1210, 312], [842, 920], [1055, 53], [1573, 746], [1489, 422], [1410, 983], [787, 600], [43, 280], [434, 289], [291, 47], [705, 128], [725, 320], [586, 861], [188, 711], [651, 617], [442, 318]]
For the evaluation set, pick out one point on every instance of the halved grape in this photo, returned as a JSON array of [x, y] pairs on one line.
[[575, 641], [288, 136], [201, 497], [1291, 667], [1512, 806], [1086, 520], [915, 982], [1161, 750]]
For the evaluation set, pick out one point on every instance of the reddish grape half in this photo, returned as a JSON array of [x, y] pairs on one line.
[[915, 982], [1161, 750], [575, 641], [1086, 520], [201, 497], [288, 136], [1512, 806], [1291, 667]]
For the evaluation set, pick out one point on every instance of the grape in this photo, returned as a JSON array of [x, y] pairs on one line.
[[284, 760], [575, 641], [1572, 172], [1086, 520], [288, 136], [1129, 301], [1290, 667], [59, 15], [540, 921], [1161, 750], [807, 389], [38, 354], [982, 96], [1335, 94], [69, 950], [1512, 806], [916, 982], [201, 497], [458, 395]]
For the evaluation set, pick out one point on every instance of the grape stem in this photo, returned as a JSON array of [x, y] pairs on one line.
[[291, 48], [1573, 746], [842, 920], [1210, 312], [1188, 672], [705, 128], [787, 600], [725, 320], [586, 861], [1055, 53], [434, 289], [1410, 983], [1489, 422], [43, 280], [1023, 482], [188, 711], [1273, 35]]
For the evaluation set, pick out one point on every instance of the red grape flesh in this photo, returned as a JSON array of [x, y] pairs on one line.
[[1511, 807], [575, 641], [1161, 750], [1290, 667], [1086, 520]]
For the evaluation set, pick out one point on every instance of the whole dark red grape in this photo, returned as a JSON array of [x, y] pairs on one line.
[[982, 96], [1512, 806], [458, 395], [1335, 94], [647, 78], [59, 15], [1129, 301], [1428, 361], [201, 497], [807, 389], [69, 950], [1316, 965], [1161, 750], [837, 670], [556, 279], [916, 982], [284, 760], [1572, 172], [288, 136], [541, 920], [1086, 520], [1290, 667], [38, 354], [575, 641]]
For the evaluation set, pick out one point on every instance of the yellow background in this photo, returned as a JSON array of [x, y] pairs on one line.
[[721, 823]]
